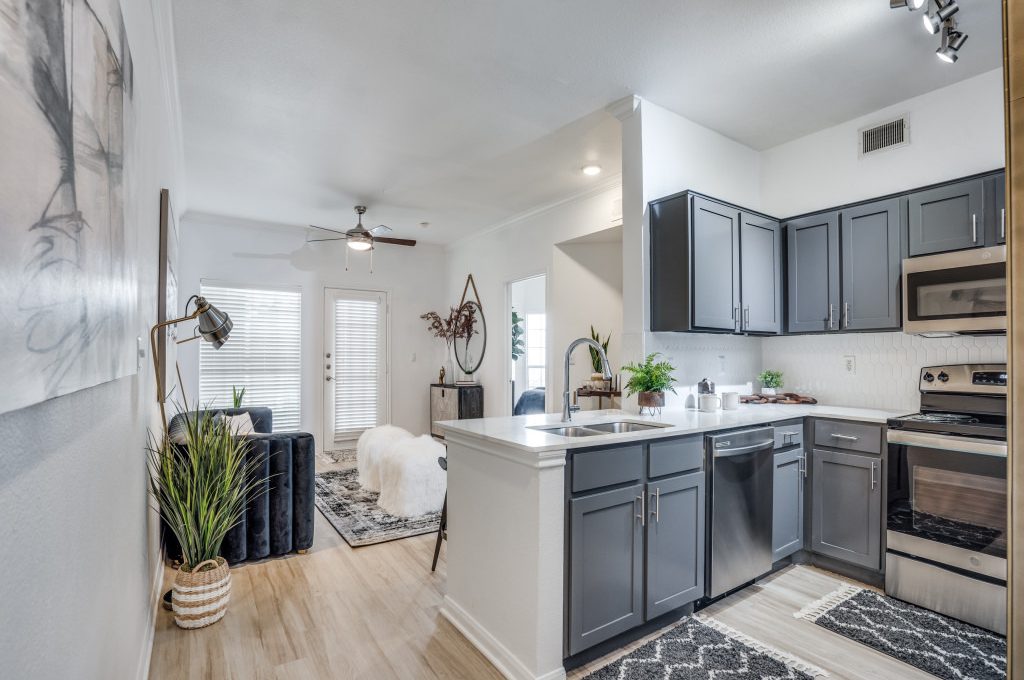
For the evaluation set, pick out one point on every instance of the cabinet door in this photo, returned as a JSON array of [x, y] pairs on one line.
[[846, 507], [444, 405], [870, 241], [715, 263], [788, 503], [675, 542], [605, 565], [670, 259], [945, 218], [995, 210], [760, 274], [813, 256]]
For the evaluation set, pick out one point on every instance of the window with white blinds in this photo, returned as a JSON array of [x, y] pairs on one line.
[[263, 354], [356, 393]]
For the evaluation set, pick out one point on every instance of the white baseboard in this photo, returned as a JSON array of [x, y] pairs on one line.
[[498, 654], [155, 607]]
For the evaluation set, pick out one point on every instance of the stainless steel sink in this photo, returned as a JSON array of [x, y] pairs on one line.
[[591, 430], [569, 431], [625, 427]]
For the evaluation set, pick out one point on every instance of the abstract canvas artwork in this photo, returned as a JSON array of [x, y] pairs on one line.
[[67, 293]]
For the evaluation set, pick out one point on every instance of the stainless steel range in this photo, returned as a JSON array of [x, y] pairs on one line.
[[946, 518]]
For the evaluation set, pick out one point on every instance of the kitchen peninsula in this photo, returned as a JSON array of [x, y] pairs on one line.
[[526, 507]]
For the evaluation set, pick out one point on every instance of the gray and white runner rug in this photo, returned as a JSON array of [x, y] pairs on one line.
[[702, 648], [936, 644]]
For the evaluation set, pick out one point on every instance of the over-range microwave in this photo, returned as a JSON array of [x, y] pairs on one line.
[[958, 292]]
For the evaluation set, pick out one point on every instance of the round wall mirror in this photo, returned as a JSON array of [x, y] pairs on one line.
[[471, 338]]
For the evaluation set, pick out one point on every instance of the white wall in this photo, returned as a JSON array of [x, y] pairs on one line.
[[244, 252], [524, 247], [586, 289], [954, 131], [78, 553]]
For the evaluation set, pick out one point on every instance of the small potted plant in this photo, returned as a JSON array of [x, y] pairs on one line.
[[770, 381], [597, 380], [201, 488], [649, 381]]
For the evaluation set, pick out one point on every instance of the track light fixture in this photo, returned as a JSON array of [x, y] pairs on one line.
[[945, 9], [952, 41], [909, 4]]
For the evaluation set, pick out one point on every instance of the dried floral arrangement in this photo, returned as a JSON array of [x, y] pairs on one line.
[[458, 324]]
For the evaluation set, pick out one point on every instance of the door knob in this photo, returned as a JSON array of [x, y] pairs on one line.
[[328, 378]]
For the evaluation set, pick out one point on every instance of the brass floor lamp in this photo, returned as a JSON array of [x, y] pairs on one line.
[[214, 327]]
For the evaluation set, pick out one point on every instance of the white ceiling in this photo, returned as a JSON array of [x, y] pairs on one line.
[[463, 113]]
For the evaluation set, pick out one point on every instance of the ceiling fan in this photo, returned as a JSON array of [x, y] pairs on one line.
[[359, 238]]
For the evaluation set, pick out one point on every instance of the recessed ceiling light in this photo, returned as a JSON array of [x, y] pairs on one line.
[[591, 169]]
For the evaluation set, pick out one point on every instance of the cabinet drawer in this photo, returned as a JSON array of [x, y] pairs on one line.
[[848, 436], [675, 455], [604, 467], [791, 434]]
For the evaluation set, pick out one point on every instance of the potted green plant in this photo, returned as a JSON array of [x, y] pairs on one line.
[[649, 381], [201, 487], [237, 395], [518, 342], [597, 380], [770, 381]]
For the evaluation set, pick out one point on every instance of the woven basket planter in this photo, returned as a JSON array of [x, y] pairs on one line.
[[199, 597]]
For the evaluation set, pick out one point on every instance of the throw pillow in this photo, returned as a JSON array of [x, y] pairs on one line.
[[240, 425]]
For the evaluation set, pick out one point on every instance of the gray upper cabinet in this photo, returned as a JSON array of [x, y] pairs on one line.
[[813, 269], [870, 242], [846, 507], [949, 217], [760, 274], [715, 264], [995, 209], [675, 542], [606, 566], [788, 503]]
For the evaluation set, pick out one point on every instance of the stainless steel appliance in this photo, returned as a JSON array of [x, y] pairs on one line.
[[958, 292], [740, 492], [946, 508]]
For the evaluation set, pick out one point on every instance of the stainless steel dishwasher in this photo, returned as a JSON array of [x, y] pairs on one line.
[[740, 507]]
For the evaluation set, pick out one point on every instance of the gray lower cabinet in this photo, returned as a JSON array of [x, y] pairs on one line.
[[813, 272], [675, 542], [788, 503], [760, 274], [949, 217], [606, 566], [870, 238], [846, 506]]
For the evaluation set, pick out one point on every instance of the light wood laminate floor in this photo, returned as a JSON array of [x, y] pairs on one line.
[[372, 613]]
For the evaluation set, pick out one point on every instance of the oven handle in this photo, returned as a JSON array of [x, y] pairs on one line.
[[946, 442]]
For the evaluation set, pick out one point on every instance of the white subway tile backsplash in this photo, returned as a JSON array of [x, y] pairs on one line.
[[887, 365]]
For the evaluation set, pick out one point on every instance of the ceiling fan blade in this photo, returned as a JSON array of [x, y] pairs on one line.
[[333, 231], [319, 240], [380, 229], [394, 241]]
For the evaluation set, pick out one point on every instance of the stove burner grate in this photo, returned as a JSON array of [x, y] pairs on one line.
[[944, 418]]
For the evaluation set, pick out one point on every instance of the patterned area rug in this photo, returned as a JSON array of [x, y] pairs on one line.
[[356, 515], [701, 648], [346, 456], [937, 644]]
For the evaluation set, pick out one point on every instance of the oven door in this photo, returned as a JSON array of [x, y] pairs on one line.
[[947, 501], [959, 292]]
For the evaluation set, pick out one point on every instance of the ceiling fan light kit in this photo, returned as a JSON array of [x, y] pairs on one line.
[[940, 21], [359, 238]]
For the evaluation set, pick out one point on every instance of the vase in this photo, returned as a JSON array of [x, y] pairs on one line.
[[200, 594], [651, 401], [449, 368], [770, 391]]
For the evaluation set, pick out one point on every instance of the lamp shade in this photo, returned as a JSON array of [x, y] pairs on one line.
[[214, 325]]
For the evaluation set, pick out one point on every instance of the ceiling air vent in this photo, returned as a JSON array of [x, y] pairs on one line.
[[888, 135]]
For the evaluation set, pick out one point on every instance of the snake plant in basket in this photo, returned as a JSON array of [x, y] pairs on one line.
[[201, 488]]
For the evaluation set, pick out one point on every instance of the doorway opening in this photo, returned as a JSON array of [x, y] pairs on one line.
[[526, 350]]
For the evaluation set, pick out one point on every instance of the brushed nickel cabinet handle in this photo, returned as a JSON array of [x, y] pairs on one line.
[[641, 515], [846, 315], [656, 496], [872, 475], [830, 316], [746, 317], [974, 228], [803, 465], [845, 437], [1002, 223]]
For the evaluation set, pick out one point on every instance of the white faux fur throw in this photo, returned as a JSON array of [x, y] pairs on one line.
[[412, 483], [373, 443]]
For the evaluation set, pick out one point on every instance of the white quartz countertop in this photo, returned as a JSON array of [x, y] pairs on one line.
[[517, 431]]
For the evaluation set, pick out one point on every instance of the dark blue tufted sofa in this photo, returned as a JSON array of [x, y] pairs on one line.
[[279, 518]]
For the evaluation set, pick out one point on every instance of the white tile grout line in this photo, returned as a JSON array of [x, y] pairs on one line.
[[816, 609], [790, 660]]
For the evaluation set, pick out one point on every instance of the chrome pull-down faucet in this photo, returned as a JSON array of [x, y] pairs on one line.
[[568, 410]]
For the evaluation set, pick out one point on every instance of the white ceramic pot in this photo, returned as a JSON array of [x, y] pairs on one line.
[[770, 391]]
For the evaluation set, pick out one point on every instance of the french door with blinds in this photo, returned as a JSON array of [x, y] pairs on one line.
[[355, 364]]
